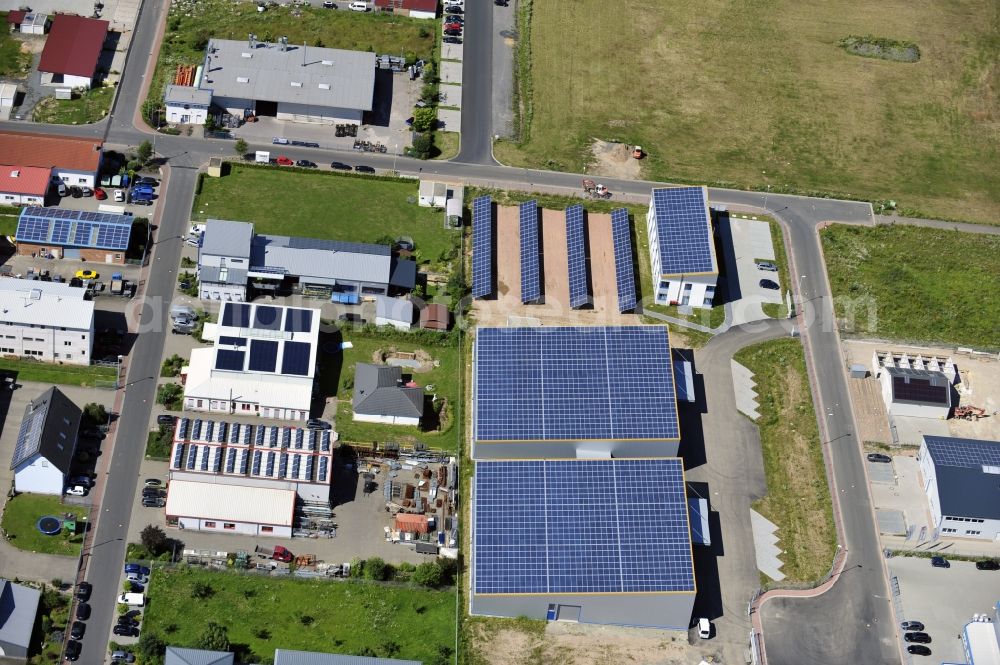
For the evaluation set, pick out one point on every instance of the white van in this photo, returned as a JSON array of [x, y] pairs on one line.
[[358, 6], [132, 599]]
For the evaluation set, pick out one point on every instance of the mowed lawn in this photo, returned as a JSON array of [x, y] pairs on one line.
[[12, 61], [70, 375], [758, 94], [21, 514], [916, 284], [266, 613], [324, 205]]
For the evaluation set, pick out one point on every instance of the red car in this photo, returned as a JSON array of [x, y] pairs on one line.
[[100, 194], [452, 26], [284, 161]]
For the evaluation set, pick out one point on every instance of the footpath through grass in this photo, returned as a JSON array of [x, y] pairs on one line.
[[798, 497], [70, 375], [91, 106], [314, 204], [21, 514], [916, 284], [268, 613]]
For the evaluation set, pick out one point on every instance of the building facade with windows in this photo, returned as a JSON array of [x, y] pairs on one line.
[[962, 482], [187, 105], [72, 160], [24, 185], [47, 321], [46, 443], [682, 247], [248, 511]]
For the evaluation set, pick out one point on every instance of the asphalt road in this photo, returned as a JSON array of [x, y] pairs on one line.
[[477, 84]]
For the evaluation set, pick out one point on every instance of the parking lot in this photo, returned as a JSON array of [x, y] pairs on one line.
[[750, 241], [929, 595]]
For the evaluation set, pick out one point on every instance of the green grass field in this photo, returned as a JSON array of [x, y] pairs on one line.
[[798, 497], [922, 285], [22, 512], [12, 61], [89, 107], [326, 205], [70, 375], [761, 94], [266, 613]]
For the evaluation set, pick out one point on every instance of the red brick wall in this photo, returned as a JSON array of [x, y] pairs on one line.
[[92, 255]]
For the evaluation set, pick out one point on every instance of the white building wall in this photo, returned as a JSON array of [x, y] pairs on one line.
[[386, 420], [71, 346], [193, 114], [7, 198], [205, 404], [398, 325], [239, 528], [79, 178], [39, 476], [328, 115], [70, 81], [987, 529], [222, 292], [692, 290], [930, 484], [420, 14]]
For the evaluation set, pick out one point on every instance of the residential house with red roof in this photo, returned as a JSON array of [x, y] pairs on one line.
[[411, 8], [72, 51], [24, 185], [74, 161]]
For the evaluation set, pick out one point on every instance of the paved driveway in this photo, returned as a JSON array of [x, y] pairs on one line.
[[744, 240]]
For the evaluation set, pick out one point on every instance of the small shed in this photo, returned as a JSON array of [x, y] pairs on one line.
[[435, 317], [432, 194], [395, 312], [453, 210], [215, 167], [859, 371], [34, 23], [411, 523]]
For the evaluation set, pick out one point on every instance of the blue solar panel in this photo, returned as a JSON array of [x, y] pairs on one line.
[[204, 458], [229, 359], [295, 359], [196, 429], [296, 461], [259, 441], [217, 460], [482, 247], [323, 462], [299, 439], [263, 355], [298, 320], [269, 469], [232, 341], [581, 526], [574, 384], [963, 453], [178, 455], [325, 441], [82, 234], [234, 433], [209, 430], [576, 253], [266, 317], [531, 289], [684, 231], [74, 228], [60, 231], [282, 465], [231, 460], [256, 463], [192, 456], [309, 467], [236, 315], [621, 234], [244, 462]]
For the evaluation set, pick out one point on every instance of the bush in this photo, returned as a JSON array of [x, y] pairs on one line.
[[154, 540], [422, 146], [424, 119], [169, 395], [376, 569], [202, 590], [95, 413], [172, 366], [428, 574]]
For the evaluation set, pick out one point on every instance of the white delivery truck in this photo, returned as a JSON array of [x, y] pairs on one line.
[[132, 599]]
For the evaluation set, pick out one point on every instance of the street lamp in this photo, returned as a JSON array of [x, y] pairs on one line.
[[118, 375], [395, 155]]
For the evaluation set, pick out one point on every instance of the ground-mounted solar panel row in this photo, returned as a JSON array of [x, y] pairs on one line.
[[482, 247], [621, 235], [531, 288], [577, 258]]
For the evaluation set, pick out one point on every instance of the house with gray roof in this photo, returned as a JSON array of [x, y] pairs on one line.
[[182, 656], [380, 396], [288, 657], [46, 443], [18, 607], [236, 264], [962, 482]]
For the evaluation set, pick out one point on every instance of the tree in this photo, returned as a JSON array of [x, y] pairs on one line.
[[150, 648], [240, 147], [375, 569], [154, 540], [422, 146], [428, 574], [95, 413], [214, 638], [168, 394], [144, 152], [424, 119]]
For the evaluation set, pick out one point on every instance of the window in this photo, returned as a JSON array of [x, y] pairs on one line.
[[32, 353], [973, 533], [688, 286], [709, 291], [67, 356], [118, 257], [5, 349], [948, 530], [209, 525], [267, 529], [81, 181], [55, 355], [228, 525], [67, 343], [199, 404], [245, 407], [223, 274], [665, 285]]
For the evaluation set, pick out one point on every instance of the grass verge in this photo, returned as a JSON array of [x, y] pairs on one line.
[[447, 144], [265, 613], [915, 284], [70, 375], [85, 108], [22, 512], [798, 496], [158, 444], [13, 61]]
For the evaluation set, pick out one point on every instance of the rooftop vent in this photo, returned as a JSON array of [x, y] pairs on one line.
[[15, 174], [242, 79], [246, 55], [328, 62], [324, 86], [296, 84]]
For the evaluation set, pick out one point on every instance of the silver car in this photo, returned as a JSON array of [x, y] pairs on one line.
[[767, 265]]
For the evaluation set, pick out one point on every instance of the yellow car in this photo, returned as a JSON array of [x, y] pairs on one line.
[[87, 274]]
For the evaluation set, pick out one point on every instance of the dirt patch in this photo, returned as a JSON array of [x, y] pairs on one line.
[[614, 160], [425, 360]]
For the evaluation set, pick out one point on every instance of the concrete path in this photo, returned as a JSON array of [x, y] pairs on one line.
[[765, 543], [743, 386], [15, 563], [680, 322]]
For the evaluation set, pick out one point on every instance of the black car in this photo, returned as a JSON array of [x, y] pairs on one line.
[[340, 166], [453, 32], [912, 625], [769, 284], [500, 3], [154, 503], [451, 39], [83, 591], [83, 612], [316, 423], [989, 564], [918, 650], [454, 19], [72, 650], [361, 168], [305, 144], [76, 192], [126, 620], [454, 9], [153, 182], [78, 629], [329, 5], [879, 457], [919, 638], [306, 164], [131, 615], [164, 419], [940, 562], [126, 631]]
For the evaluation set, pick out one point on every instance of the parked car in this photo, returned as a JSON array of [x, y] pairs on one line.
[[451, 39], [704, 628], [358, 6], [911, 625], [454, 9], [77, 630], [119, 196], [329, 5], [136, 568], [82, 611], [452, 18], [769, 284], [918, 637], [500, 3], [76, 490], [86, 191], [940, 562], [879, 457], [83, 591], [451, 27], [164, 419], [361, 168], [82, 481], [154, 502], [125, 620], [767, 265], [136, 587], [156, 482], [100, 194], [87, 274], [284, 161], [75, 192], [453, 32], [72, 650], [918, 650], [316, 423], [988, 564], [305, 163], [61, 189], [146, 180], [340, 166], [306, 144], [121, 656]]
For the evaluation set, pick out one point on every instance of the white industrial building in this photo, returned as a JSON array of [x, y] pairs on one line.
[[187, 105], [962, 481], [289, 81], [262, 363], [45, 444], [981, 639], [918, 393], [682, 247], [48, 321], [380, 396], [241, 509]]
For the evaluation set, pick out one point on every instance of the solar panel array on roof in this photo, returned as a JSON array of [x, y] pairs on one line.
[[298, 320], [531, 289], [229, 359], [578, 296], [266, 318], [228, 340], [482, 247], [77, 228], [684, 231], [295, 359], [919, 390], [263, 355], [599, 383], [581, 526], [236, 315], [621, 235], [965, 453]]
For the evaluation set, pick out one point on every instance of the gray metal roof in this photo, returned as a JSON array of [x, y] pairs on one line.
[[322, 261], [225, 238], [287, 657], [394, 309], [182, 656], [314, 76], [968, 476], [18, 607], [377, 392], [187, 94], [49, 428], [404, 274], [210, 274]]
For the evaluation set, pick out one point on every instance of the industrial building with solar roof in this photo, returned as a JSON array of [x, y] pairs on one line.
[[921, 393], [262, 363], [682, 247], [962, 481], [46, 443], [565, 392], [591, 540], [81, 235]]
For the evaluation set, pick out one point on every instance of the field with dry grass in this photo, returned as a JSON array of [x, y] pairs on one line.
[[762, 94]]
